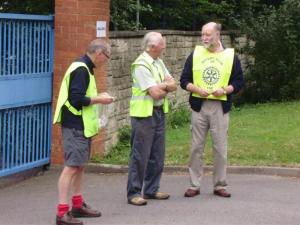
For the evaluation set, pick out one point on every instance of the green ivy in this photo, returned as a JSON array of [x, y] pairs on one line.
[[275, 73]]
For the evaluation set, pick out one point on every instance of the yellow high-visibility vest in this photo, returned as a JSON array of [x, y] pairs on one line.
[[141, 103], [89, 113], [212, 70]]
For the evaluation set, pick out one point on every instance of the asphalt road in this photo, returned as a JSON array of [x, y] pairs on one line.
[[256, 199]]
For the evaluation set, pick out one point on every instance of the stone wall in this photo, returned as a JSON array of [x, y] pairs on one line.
[[126, 46]]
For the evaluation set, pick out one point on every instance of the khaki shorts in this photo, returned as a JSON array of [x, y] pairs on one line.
[[77, 147]]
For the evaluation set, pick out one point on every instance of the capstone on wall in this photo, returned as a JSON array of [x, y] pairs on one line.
[[126, 46]]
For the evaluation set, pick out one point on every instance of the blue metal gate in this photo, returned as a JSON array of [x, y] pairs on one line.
[[26, 71]]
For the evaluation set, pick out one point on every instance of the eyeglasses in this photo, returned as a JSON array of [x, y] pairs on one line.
[[106, 55]]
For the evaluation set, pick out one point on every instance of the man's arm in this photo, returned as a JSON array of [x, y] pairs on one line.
[[158, 91], [187, 73], [161, 90], [171, 83], [102, 98], [236, 81], [237, 78], [77, 92], [186, 79], [79, 82], [147, 83]]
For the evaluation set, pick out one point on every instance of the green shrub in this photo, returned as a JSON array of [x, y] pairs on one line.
[[178, 117], [125, 134], [274, 75], [119, 153]]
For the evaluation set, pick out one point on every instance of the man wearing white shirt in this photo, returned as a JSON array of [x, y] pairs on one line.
[[148, 105]]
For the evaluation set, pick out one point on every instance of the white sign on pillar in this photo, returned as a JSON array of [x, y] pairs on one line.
[[101, 29]]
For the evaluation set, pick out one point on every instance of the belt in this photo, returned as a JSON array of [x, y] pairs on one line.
[[160, 107]]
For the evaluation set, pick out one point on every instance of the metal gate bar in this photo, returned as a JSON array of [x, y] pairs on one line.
[[26, 71]]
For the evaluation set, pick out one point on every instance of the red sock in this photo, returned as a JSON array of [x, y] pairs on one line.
[[77, 201], [62, 209]]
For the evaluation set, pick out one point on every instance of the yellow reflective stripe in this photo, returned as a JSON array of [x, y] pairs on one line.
[[72, 109], [145, 97], [135, 85]]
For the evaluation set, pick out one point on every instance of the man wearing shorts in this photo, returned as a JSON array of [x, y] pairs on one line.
[[76, 111]]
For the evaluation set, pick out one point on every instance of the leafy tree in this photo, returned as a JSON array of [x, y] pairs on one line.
[[275, 73], [27, 6], [123, 14], [163, 14], [183, 15]]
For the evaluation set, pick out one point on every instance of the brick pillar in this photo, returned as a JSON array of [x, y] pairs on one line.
[[75, 27]]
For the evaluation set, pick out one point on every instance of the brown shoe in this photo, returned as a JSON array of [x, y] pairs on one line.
[[191, 193], [222, 193], [67, 219], [158, 195], [139, 201], [85, 211]]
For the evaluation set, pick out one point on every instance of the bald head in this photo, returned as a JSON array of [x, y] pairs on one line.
[[216, 27], [210, 36]]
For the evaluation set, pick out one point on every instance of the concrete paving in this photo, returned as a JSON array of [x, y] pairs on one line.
[[256, 200]]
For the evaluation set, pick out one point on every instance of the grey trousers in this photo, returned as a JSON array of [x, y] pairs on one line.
[[211, 117], [147, 154]]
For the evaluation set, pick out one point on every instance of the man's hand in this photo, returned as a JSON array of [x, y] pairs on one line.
[[198, 90], [102, 98], [219, 92], [202, 92], [170, 83]]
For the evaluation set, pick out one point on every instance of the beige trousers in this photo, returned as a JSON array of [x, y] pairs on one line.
[[211, 117]]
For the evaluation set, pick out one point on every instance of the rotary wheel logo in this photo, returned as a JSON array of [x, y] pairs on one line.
[[211, 75]]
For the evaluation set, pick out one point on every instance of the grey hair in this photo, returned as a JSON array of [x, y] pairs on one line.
[[98, 44], [150, 39], [218, 27]]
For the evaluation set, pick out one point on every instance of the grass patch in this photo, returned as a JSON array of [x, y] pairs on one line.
[[119, 154], [263, 134]]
